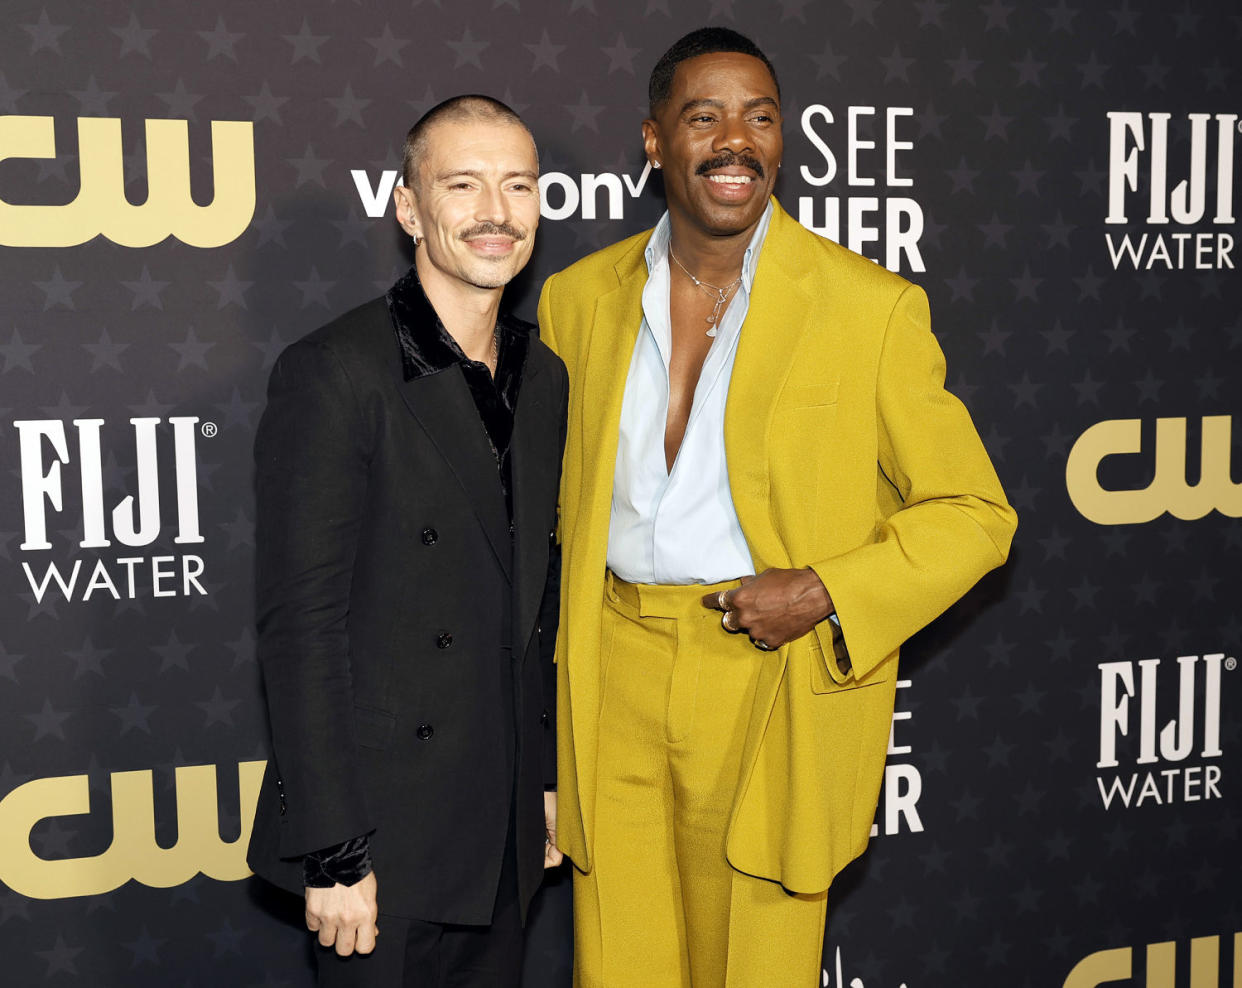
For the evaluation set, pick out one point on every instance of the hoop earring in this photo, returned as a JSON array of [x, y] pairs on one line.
[[417, 241]]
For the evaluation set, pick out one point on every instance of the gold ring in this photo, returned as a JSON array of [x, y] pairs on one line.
[[722, 600], [724, 621]]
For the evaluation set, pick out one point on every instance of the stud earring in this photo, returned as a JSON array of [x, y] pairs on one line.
[[656, 164]]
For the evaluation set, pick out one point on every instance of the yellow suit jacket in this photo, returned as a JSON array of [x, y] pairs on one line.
[[845, 454]]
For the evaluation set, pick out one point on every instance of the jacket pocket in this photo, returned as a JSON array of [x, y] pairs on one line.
[[373, 728], [821, 678], [809, 396]]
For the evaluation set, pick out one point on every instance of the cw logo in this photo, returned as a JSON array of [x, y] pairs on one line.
[[101, 207], [133, 852], [1106, 966], [1168, 490]]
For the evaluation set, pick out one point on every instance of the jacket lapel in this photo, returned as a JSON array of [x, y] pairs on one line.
[[533, 431], [780, 311], [610, 348], [442, 404]]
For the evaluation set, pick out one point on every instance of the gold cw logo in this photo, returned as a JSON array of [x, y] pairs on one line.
[[1107, 966], [101, 207], [1168, 490], [133, 852]]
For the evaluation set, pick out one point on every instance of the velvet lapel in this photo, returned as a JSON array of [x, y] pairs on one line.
[[781, 309], [436, 393], [533, 427]]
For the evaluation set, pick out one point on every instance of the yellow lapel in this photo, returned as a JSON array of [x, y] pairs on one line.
[[780, 311], [614, 329], [785, 302]]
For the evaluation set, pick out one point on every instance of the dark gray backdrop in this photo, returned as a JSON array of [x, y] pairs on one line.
[[1006, 851]]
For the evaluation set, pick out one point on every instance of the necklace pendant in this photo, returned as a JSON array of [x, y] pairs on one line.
[[712, 331]]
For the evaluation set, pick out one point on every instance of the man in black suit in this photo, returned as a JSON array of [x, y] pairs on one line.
[[407, 471]]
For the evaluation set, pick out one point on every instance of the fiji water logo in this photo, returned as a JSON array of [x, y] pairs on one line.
[[62, 478], [1177, 196]]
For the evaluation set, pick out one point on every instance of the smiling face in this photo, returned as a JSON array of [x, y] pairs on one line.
[[475, 203], [718, 139]]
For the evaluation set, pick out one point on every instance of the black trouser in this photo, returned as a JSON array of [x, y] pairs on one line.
[[411, 953]]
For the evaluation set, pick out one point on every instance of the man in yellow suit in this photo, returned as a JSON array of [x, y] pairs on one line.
[[766, 490]]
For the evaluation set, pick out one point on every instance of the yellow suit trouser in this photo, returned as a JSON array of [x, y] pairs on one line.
[[662, 908]]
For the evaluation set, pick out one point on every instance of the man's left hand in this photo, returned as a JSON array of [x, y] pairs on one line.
[[552, 855], [774, 607]]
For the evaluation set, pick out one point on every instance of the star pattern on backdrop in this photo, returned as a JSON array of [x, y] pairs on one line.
[[1044, 336]]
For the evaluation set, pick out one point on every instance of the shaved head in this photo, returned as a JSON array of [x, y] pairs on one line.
[[471, 107]]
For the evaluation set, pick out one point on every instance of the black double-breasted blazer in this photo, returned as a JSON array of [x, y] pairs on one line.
[[406, 627]]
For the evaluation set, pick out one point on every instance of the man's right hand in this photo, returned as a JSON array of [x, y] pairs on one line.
[[344, 916]]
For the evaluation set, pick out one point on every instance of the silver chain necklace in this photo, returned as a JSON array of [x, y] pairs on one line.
[[719, 295]]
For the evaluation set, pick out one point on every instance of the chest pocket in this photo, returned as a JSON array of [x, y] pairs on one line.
[[808, 396]]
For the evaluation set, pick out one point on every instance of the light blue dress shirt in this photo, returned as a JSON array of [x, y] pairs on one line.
[[678, 526]]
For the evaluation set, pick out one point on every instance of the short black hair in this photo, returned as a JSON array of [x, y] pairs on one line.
[[469, 106], [704, 41]]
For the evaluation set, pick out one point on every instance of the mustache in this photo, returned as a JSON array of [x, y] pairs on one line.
[[729, 159], [493, 230]]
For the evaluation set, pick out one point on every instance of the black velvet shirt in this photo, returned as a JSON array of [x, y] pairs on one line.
[[427, 348]]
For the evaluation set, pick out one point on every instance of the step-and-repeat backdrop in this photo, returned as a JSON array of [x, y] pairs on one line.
[[186, 188]]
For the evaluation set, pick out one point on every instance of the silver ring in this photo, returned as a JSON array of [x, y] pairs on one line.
[[763, 646], [724, 622]]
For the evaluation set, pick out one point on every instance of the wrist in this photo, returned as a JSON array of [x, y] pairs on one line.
[[346, 864], [825, 607]]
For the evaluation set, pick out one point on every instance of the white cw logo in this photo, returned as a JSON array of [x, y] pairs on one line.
[[101, 207]]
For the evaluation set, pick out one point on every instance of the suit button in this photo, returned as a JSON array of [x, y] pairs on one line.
[[425, 731], [430, 536], [444, 640], [543, 717]]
